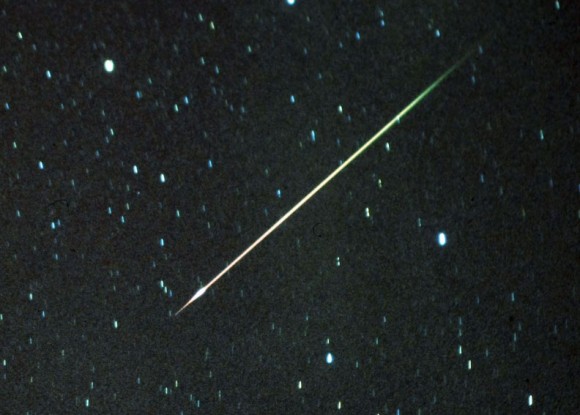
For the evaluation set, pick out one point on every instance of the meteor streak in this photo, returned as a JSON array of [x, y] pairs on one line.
[[397, 118]]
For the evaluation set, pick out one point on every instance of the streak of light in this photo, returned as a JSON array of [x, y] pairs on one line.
[[396, 119]]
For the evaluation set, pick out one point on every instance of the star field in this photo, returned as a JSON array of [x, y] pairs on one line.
[[145, 147]]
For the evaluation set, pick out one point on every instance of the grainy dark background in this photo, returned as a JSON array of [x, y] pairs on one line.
[[124, 192]]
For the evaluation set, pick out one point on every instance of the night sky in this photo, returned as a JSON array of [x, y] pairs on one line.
[[144, 147]]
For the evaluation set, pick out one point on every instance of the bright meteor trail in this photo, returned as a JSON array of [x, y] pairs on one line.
[[331, 176]]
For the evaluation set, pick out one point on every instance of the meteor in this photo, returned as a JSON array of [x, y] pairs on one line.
[[396, 119]]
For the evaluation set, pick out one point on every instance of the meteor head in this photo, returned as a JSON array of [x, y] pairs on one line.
[[198, 294]]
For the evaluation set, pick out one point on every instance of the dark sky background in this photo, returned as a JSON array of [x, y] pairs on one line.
[[124, 192]]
